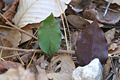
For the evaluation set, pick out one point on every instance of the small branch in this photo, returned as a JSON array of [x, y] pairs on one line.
[[59, 52], [9, 23], [34, 50], [63, 23], [106, 10]]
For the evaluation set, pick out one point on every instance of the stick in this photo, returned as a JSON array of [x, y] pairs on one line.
[[9, 23], [34, 50]]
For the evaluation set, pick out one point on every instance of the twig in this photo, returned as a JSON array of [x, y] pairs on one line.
[[31, 60], [64, 16], [2, 26], [106, 10], [63, 23], [34, 50], [9, 23], [20, 59]]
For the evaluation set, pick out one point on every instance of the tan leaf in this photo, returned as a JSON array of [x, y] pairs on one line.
[[17, 74], [35, 11], [110, 35], [25, 37], [12, 35], [59, 76], [62, 63], [10, 12], [9, 38], [41, 74]]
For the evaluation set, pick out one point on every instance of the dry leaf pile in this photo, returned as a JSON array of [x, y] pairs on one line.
[[86, 34]]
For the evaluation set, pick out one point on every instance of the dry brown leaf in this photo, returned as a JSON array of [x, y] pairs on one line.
[[59, 76], [17, 74], [62, 63], [77, 22], [12, 35], [5, 65], [42, 75], [9, 38], [113, 47], [110, 35], [74, 37], [9, 14], [25, 37], [116, 51], [107, 68], [42, 62], [111, 17], [9, 64], [1, 5]]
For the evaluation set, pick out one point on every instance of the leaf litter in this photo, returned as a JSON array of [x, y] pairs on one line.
[[89, 40]]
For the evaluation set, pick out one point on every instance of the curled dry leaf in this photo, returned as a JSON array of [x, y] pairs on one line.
[[112, 17], [107, 68], [62, 63], [37, 11], [9, 38], [9, 14], [12, 35], [77, 22], [5, 65], [110, 35], [17, 74], [42, 75], [91, 44]]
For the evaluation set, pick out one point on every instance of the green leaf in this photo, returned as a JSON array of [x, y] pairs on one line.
[[49, 35]]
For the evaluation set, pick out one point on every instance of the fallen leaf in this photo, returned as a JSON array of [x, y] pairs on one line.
[[42, 62], [107, 67], [9, 38], [91, 44], [49, 35], [110, 35], [17, 74], [61, 64], [9, 64], [24, 37], [35, 11], [77, 22], [113, 47], [74, 37], [10, 12], [12, 35], [114, 1], [5, 65], [42, 75], [59, 76], [111, 17]]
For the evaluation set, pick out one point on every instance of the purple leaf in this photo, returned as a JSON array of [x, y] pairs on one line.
[[91, 44]]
